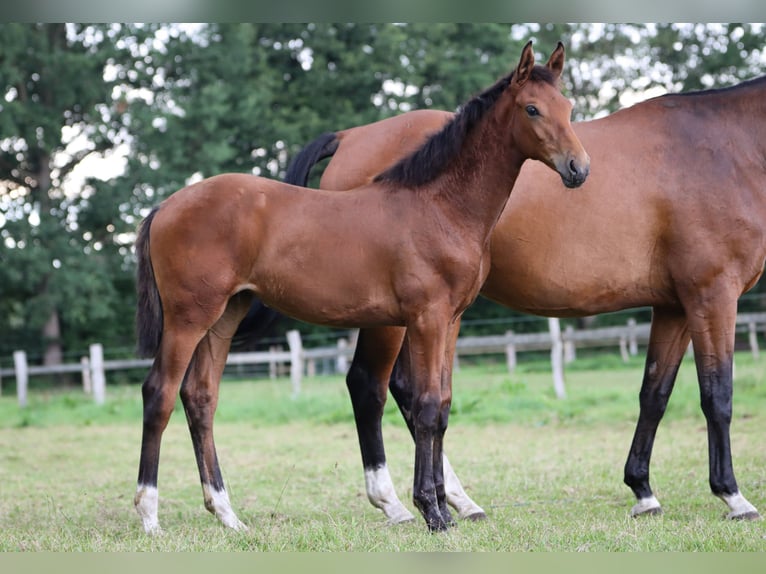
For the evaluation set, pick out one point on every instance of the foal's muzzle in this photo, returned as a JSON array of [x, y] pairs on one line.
[[575, 172]]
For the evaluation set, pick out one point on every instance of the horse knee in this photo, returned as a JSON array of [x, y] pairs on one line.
[[427, 413]]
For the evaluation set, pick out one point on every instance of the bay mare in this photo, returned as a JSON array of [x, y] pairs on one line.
[[410, 249], [672, 217]]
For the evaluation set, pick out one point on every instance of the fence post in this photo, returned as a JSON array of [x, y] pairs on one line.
[[753, 338], [624, 349], [557, 357], [22, 376], [341, 362], [510, 352], [274, 369], [632, 338], [570, 354], [296, 360], [87, 386], [98, 380], [311, 368]]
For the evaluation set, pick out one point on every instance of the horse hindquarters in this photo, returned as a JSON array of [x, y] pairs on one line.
[[173, 317], [173, 351]]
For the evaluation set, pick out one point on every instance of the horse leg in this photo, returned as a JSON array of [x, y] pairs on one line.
[[367, 382], [199, 394], [159, 392], [446, 404], [668, 341], [712, 331], [401, 389], [427, 346]]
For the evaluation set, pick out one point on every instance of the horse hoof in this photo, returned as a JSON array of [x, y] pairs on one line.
[[400, 520], [750, 516], [650, 512], [437, 524], [447, 517], [440, 527], [238, 526], [648, 506], [475, 517], [654, 511]]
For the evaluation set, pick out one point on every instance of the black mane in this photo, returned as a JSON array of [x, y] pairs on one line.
[[426, 163], [755, 82]]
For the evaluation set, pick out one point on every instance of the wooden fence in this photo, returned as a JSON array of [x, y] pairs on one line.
[[299, 361]]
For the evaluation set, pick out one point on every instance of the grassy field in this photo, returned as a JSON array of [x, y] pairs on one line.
[[547, 471]]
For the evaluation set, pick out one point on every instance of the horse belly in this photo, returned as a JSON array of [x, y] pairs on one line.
[[333, 285], [328, 303], [572, 270]]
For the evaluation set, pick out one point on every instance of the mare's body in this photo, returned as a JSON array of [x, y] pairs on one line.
[[673, 217]]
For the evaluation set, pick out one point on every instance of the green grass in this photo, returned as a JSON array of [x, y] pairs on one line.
[[547, 471]]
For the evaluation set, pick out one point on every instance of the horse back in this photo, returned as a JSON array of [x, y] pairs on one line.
[[369, 149], [311, 254]]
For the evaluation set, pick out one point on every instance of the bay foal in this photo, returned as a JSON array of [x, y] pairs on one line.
[[409, 250]]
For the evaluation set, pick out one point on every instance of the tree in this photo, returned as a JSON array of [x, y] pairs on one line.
[[243, 97], [55, 114], [177, 103]]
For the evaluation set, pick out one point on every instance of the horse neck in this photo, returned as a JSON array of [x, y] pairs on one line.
[[478, 183]]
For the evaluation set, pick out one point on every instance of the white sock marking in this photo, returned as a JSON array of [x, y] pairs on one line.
[[645, 505], [146, 502], [738, 504], [217, 502], [381, 493], [456, 496]]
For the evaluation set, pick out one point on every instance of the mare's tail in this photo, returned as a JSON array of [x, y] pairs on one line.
[[260, 317], [300, 167], [149, 308]]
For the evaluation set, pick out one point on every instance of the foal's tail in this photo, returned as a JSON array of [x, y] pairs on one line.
[[260, 317], [149, 308], [298, 171]]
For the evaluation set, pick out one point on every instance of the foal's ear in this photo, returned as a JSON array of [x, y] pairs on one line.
[[526, 63], [556, 61]]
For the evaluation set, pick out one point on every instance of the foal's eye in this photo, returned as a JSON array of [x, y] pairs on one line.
[[532, 111]]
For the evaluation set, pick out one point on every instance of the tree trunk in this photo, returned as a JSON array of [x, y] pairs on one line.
[[52, 329], [52, 337]]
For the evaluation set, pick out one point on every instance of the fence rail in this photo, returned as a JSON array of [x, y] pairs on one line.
[[298, 361]]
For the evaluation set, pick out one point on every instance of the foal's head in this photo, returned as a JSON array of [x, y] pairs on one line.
[[540, 124]]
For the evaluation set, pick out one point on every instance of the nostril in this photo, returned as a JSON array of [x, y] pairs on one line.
[[573, 167]]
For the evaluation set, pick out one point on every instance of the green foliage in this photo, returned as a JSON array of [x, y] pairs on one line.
[[179, 102], [52, 77]]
